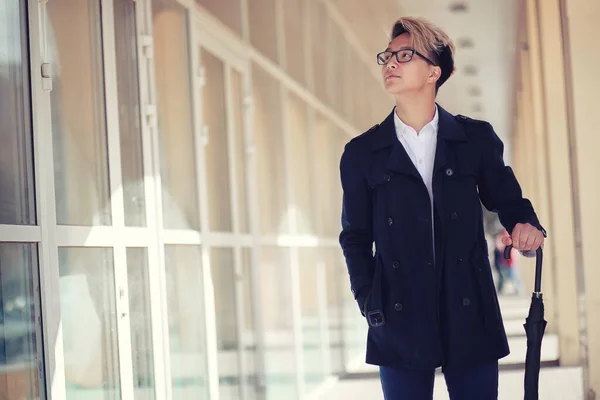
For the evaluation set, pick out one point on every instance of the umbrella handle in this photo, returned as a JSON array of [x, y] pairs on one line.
[[539, 255]]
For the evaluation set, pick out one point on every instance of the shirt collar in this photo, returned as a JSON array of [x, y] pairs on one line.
[[401, 127]]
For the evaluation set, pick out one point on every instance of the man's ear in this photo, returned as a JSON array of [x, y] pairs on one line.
[[435, 74]]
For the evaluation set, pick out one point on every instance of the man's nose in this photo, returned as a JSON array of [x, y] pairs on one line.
[[392, 63]]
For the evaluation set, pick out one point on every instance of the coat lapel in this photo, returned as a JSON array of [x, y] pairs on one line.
[[449, 130], [397, 159]]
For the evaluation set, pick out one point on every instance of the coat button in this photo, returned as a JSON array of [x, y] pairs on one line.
[[454, 215], [395, 264], [459, 259], [449, 172], [466, 301], [387, 177], [430, 264], [390, 221], [398, 307]]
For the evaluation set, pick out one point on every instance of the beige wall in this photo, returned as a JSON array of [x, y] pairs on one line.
[[555, 146]]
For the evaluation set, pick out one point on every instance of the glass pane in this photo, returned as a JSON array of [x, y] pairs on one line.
[[228, 11], [224, 280], [141, 323], [337, 45], [78, 115], [337, 287], [186, 322], [354, 328], [295, 18], [355, 88], [237, 88], [319, 21], [269, 145], [132, 163], [217, 150], [349, 88], [20, 347], [249, 341], [339, 140], [17, 202], [301, 207], [89, 322], [328, 175], [276, 308], [311, 286], [363, 84], [263, 33], [175, 112]]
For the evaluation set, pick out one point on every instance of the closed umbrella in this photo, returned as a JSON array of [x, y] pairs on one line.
[[535, 325]]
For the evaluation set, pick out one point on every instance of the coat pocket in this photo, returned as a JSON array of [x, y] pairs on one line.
[[488, 299], [373, 308]]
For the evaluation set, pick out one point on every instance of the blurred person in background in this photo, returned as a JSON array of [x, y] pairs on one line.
[[506, 269], [413, 185]]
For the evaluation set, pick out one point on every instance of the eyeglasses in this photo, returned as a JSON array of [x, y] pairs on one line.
[[402, 56]]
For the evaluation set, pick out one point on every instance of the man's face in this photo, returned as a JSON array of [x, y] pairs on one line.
[[411, 76]]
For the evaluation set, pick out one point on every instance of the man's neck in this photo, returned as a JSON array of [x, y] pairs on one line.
[[415, 112]]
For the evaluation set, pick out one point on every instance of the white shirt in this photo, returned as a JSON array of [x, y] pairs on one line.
[[420, 149]]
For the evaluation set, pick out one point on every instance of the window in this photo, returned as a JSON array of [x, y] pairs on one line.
[[327, 162], [301, 206], [276, 306], [315, 368], [89, 322], [186, 322], [319, 28], [78, 113], [243, 190], [338, 292], [17, 202], [268, 131], [228, 11], [248, 331], [141, 323], [226, 292], [175, 115], [337, 53], [263, 31], [218, 178], [132, 165], [294, 12], [20, 349]]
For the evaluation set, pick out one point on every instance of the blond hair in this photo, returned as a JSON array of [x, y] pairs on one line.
[[430, 38]]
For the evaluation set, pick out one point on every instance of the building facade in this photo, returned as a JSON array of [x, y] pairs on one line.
[[170, 200]]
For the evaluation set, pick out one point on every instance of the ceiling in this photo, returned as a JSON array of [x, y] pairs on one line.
[[482, 85]]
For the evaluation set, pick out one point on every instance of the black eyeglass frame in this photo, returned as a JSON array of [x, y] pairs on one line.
[[395, 53]]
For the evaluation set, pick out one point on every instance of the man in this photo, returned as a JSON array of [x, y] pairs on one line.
[[412, 185]]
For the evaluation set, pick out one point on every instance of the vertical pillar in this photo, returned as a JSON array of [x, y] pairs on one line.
[[560, 245], [580, 19], [539, 155]]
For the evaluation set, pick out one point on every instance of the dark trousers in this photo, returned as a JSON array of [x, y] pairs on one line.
[[473, 383]]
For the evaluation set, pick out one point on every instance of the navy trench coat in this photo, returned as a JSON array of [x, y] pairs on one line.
[[428, 302]]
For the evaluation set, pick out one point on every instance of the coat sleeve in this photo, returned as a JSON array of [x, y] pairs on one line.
[[499, 189], [356, 237]]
